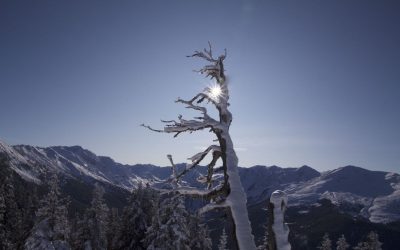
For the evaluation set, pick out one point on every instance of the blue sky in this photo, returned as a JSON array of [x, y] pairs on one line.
[[312, 82]]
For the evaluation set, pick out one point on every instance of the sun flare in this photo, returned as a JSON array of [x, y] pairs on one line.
[[215, 91]]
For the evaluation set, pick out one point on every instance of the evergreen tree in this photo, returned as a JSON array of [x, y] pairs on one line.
[[12, 216], [341, 243], [169, 226], [54, 210], [223, 241], [15, 215], [198, 233], [154, 235], [80, 234], [326, 243], [373, 239], [136, 218], [97, 219], [3, 238], [29, 210], [153, 231], [113, 227], [264, 245], [372, 243]]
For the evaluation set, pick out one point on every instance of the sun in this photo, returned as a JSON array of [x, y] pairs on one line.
[[215, 91]]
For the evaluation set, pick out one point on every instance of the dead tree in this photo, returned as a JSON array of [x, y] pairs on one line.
[[226, 192]]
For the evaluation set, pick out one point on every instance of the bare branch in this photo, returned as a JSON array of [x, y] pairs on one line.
[[192, 106], [173, 178], [216, 70], [209, 52], [190, 126], [197, 158], [210, 167], [187, 126], [212, 206], [200, 97], [198, 193], [206, 54], [152, 129]]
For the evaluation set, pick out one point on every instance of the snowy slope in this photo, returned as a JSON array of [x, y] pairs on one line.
[[372, 194], [260, 181], [32, 162], [375, 194], [19, 163]]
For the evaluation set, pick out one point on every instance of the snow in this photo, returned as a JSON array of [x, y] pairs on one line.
[[260, 181], [237, 199], [18, 163], [375, 192], [85, 171], [30, 162], [15, 157], [385, 209], [26, 175], [339, 198]]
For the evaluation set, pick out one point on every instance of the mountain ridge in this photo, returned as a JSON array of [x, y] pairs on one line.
[[374, 195]]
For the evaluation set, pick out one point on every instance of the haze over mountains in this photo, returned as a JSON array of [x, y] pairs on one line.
[[374, 195]]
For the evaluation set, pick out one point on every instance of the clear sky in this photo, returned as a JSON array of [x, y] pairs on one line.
[[312, 82]]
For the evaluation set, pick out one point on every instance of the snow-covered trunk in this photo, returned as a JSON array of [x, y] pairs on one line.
[[237, 199], [280, 230]]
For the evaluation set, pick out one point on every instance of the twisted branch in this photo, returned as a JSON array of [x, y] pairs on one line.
[[198, 193], [197, 158]]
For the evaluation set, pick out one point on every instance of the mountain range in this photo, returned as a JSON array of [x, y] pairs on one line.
[[373, 195]]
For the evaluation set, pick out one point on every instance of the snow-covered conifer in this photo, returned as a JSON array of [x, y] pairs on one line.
[[52, 229], [326, 243], [227, 192], [97, 218], [170, 226], [3, 238], [53, 209], [223, 241], [373, 239], [80, 233], [12, 216], [341, 243], [113, 227], [174, 218], [153, 239], [372, 243], [198, 233], [136, 218], [264, 245]]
